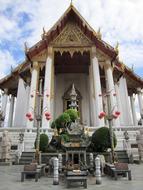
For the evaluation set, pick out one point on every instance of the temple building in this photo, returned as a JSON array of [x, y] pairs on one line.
[[71, 52]]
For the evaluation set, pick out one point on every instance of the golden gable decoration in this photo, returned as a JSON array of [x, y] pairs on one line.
[[71, 35]]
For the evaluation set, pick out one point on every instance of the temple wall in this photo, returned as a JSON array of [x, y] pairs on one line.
[[63, 82]]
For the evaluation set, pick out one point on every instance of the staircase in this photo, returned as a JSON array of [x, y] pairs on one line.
[[26, 158], [122, 156]]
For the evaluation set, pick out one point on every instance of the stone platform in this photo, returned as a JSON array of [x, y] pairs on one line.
[[10, 180]]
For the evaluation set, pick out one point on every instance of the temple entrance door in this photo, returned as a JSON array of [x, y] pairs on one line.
[[67, 101]]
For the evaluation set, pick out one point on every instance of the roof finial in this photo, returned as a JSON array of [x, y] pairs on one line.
[[44, 33], [26, 47], [99, 35], [117, 48], [71, 3]]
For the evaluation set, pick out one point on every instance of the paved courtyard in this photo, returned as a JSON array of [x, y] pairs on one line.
[[10, 180]]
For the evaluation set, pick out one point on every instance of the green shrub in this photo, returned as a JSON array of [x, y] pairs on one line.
[[73, 114], [43, 144], [63, 120], [101, 140], [53, 125]]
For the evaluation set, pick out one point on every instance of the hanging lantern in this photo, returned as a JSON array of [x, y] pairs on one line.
[[28, 115], [101, 115], [48, 117], [30, 119], [117, 113], [47, 114]]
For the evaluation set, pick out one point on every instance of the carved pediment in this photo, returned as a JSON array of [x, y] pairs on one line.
[[72, 36]]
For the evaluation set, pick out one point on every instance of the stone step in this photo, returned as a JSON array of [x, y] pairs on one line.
[[27, 154], [122, 156], [26, 158]]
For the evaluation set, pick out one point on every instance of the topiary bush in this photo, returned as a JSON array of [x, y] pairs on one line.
[[44, 140], [100, 140], [73, 114], [65, 119]]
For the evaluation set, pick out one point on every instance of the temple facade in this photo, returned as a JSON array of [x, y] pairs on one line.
[[71, 52]]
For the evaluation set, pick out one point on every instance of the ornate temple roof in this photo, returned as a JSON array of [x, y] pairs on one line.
[[71, 14]]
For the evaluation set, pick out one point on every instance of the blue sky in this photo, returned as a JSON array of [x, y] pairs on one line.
[[23, 21]]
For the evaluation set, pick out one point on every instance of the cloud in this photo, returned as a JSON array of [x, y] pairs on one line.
[[6, 61], [119, 21]]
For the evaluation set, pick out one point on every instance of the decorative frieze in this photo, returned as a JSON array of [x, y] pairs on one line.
[[72, 36]]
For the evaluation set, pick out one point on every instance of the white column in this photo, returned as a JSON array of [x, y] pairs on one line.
[[92, 98], [140, 100], [135, 122], [119, 106], [97, 89], [111, 90], [4, 102], [47, 89], [11, 111], [33, 90], [52, 92], [125, 102], [20, 104], [26, 107], [3, 107]]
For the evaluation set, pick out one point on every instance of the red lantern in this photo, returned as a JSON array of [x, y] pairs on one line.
[[117, 113], [28, 115], [101, 115], [48, 117], [30, 119], [47, 114]]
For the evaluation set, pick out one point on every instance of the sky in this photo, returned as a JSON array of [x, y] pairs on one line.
[[22, 21]]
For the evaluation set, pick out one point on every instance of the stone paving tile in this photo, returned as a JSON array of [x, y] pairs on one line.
[[10, 180]]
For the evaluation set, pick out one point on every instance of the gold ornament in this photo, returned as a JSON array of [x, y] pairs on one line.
[[99, 35]]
